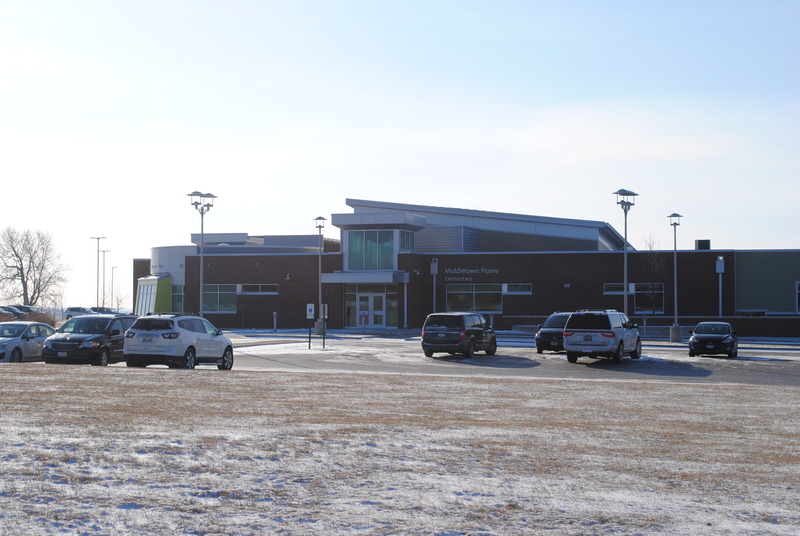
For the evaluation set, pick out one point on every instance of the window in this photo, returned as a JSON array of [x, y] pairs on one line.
[[260, 289], [524, 289], [648, 297], [370, 250], [177, 298], [481, 298], [406, 241], [219, 298]]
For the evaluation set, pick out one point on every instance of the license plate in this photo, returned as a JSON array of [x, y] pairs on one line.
[[62, 354], [587, 338], [709, 346], [442, 335], [148, 338]]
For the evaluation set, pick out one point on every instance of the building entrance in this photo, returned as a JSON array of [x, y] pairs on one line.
[[371, 310]]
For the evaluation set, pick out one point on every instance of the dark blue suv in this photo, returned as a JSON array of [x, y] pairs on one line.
[[457, 333]]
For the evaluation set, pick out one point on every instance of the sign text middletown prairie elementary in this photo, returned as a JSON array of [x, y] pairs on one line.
[[464, 275]]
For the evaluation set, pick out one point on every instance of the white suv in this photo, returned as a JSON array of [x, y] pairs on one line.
[[178, 341], [601, 333]]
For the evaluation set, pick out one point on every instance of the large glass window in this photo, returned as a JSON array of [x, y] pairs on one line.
[[177, 299], [648, 297], [370, 250], [481, 298], [219, 298], [268, 289]]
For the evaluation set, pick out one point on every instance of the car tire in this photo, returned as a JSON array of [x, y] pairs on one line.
[[637, 351], [16, 356], [428, 353], [572, 357], [539, 350], [470, 351], [227, 359], [189, 359], [102, 359], [492, 347], [617, 356], [691, 354]]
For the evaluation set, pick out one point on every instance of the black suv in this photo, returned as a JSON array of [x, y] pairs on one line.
[[453, 333], [95, 339], [550, 335]]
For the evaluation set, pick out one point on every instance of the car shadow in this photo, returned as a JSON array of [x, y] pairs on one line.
[[497, 361], [651, 366]]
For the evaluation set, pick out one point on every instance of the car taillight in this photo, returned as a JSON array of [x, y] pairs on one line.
[[129, 335], [423, 333], [463, 334], [568, 333], [607, 334], [171, 335]]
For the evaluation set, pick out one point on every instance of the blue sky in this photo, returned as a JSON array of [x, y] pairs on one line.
[[111, 112]]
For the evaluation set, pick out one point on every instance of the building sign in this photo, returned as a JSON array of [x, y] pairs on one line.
[[465, 275]]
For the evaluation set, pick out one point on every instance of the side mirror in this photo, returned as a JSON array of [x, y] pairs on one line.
[[115, 332]]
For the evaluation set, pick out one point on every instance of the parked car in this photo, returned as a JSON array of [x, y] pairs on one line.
[[601, 333], [27, 308], [101, 310], [463, 333], [69, 312], [713, 338], [23, 341], [12, 311], [94, 339], [550, 335], [178, 341]]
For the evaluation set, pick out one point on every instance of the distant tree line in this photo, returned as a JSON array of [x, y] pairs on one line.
[[31, 272]]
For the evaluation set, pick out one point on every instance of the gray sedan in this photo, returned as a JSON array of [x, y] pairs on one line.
[[23, 341]]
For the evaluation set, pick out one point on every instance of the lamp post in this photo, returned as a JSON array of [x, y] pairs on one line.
[[104, 251], [112, 287], [98, 238], [203, 203], [320, 329], [675, 334], [625, 200]]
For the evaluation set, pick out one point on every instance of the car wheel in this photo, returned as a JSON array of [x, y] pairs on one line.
[[539, 350], [102, 359], [16, 356], [691, 354], [572, 357], [617, 357], [470, 352], [188, 359], [637, 352], [428, 353], [227, 360], [492, 347]]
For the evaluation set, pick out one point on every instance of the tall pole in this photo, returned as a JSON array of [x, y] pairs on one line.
[[203, 203], [320, 318], [112, 287], [97, 297], [625, 200], [675, 334], [104, 275]]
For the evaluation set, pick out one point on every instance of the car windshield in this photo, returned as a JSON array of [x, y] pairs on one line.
[[556, 321], [712, 329], [443, 321], [84, 324], [11, 330]]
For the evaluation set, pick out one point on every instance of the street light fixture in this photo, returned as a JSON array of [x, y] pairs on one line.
[[98, 238], [320, 329], [203, 203], [675, 334], [625, 200]]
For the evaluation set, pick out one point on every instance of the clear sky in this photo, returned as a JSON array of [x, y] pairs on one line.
[[111, 112]]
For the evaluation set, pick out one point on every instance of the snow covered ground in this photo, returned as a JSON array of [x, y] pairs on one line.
[[107, 451]]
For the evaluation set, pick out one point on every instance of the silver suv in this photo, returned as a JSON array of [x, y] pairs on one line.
[[601, 333], [178, 341]]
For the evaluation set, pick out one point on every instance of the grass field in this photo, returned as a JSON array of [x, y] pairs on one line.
[[110, 451]]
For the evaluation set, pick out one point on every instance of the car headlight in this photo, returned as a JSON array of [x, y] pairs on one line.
[[89, 344], [728, 339]]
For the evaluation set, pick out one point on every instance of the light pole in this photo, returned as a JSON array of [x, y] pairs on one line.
[[625, 200], [104, 251], [203, 203], [112, 287], [320, 329], [675, 334], [98, 238]]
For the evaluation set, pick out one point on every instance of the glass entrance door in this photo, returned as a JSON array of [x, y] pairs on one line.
[[372, 310]]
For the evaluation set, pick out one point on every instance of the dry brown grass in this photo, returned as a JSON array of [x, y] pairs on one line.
[[395, 453]]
